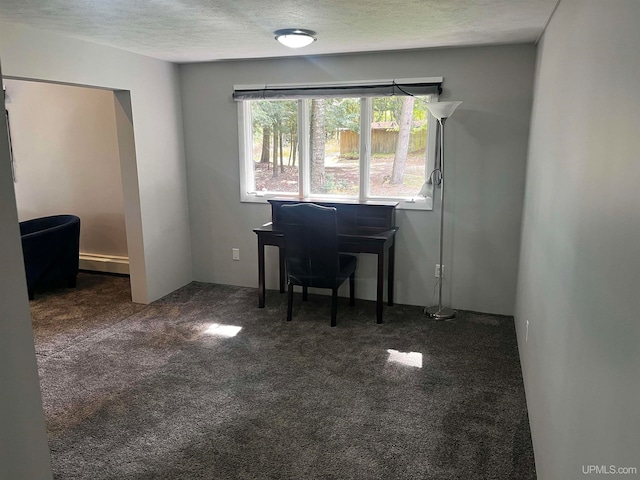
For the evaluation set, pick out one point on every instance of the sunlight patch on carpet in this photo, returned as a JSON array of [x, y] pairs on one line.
[[411, 359], [222, 330]]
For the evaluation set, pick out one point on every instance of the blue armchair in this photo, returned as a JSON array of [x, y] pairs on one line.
[[51, 250]]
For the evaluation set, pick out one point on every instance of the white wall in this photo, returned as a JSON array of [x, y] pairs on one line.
[[154, 181], [24, 453], [580, 268], [67, 160], [486, 144]]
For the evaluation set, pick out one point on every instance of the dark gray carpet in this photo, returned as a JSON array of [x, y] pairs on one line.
[[65, 316], [160, 394]]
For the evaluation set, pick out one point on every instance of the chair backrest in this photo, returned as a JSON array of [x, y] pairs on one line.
[[311, 244], [53, 222]]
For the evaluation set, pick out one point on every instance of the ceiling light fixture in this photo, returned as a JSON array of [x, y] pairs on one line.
[[295, 37]]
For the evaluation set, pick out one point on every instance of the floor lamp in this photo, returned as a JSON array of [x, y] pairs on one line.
[[441, 111]]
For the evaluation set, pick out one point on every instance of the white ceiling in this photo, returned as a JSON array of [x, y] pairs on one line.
[[203, 30]]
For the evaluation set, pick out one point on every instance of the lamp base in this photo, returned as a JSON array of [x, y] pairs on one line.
[[440, 313]]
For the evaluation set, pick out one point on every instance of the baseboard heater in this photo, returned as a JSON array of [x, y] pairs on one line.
[[104, 263]]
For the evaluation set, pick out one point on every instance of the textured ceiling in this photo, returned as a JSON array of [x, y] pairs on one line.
[[201, 30]]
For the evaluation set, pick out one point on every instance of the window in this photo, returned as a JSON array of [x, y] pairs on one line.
[[274, 147], [315, 141]]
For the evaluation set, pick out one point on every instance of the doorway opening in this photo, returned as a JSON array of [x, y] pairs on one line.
[[74, 152]]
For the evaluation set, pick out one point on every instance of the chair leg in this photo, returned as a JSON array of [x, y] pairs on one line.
[[334, 306], [289, 302], [305, 295], [352, 289]]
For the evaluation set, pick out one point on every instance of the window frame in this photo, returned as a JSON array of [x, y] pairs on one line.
[[247, 179]]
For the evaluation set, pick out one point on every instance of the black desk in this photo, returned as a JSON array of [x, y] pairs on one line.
[[363, 227]]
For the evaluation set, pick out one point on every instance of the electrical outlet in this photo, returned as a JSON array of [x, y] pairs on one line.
[[437, 274], [235, 254]]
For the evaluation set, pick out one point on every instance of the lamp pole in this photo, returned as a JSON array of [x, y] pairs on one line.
[[442, 111]]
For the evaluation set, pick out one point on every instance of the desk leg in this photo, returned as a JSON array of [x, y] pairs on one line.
[[260, 273], [380, 287], [282, 268], [392, 261]]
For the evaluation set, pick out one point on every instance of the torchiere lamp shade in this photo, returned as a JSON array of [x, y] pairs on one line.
[[442, 110]]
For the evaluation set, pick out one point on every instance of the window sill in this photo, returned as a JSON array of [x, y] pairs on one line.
[[422, 204], [403, 203]]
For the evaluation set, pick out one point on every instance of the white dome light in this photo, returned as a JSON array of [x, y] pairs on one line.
[[295, 37]]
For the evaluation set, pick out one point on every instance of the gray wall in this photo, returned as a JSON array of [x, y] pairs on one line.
[[24, 453], [67, 160], [154, 179], [579, 280], [155, 204], [486, 148]]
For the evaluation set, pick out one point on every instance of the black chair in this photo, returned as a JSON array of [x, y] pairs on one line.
[[311, 253], [50, 247]]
